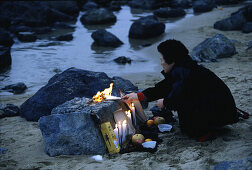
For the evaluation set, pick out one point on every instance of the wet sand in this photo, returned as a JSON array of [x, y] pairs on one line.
[[25, 144]]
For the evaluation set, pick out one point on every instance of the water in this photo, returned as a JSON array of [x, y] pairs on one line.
[[35, 63]]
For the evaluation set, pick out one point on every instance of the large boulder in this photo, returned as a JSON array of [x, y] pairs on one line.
[[8, 110], [64, 87], [213, 48], [33, 14], [5, 57], [105, 38], [146, 27], [169, 12], [98, 16], [146, 4], [70, 130], [200, 6]]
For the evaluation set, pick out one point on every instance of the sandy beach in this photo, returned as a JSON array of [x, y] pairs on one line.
[[234, 142]]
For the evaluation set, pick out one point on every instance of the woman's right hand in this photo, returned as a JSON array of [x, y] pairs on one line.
[[130, 97]]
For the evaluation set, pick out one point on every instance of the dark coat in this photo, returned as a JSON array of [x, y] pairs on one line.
[[201, 98]]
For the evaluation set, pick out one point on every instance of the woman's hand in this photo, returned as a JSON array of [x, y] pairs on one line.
[[160, 103], [130, 97]]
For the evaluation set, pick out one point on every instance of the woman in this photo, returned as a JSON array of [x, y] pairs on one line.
[[202, 99]]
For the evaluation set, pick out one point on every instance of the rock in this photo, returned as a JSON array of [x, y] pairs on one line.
[[17, 88], [32, 14], [26, 37], [181, 3], [67, 37], [98, 16], [64, 87], [5, 57], [105, 38], [5, 38], [249, 44], [235, 22], [62, 25], [20, 28], [70, 130], [213, 48], [114, 6], [169, 12], [42, 30], [145, 4], [122, 60], [146, 27], [247, 27], [242, 164], [227, 2], [200, 6], [124, 84], [8, 110], [89, 6]]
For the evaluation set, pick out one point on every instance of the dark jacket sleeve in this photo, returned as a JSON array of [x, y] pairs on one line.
[[160, 90]]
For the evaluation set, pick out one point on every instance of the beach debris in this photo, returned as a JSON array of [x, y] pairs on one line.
[[97, 158], [164, 127], [149, 144]]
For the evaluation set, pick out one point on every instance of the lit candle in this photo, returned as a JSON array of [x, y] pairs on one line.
[[124, 131], [133, 113], [116, 132], [128, 115]]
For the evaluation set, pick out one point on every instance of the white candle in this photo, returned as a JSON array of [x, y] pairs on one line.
[[116, 132], [120, 133], [124, 131], [133, 113], [128, 115]]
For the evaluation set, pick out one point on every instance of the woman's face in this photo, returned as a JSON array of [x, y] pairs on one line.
[[166, 67]]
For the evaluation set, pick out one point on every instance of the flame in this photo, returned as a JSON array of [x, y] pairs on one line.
[[100, 96], [127, 112]]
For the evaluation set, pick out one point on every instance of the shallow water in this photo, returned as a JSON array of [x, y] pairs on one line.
[[35, 63]]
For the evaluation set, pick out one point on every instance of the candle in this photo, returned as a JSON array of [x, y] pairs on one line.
[[133, 113], [116, 132], [120, 133], [128, 115], [124, 131]]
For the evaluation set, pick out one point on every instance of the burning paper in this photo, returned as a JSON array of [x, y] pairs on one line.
[[100, 96]]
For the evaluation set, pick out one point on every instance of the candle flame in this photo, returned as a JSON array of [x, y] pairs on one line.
[[132, 104], [124, 122], [127, 112], [100, 96], [116, 126]]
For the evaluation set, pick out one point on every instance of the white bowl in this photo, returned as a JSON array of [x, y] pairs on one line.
[[150, 144], [164, 127]]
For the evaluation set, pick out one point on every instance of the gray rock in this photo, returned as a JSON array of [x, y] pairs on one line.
[[70, 130], [26, 37], [105, 38], [89, 6], [98, 16], [122, 60], [247, 27], [17, 88], [213, 48], [200, 6], [169, 12], [64, 87], [5, 57], [145, 4], [8, 110], [146, 27], [243, 164]]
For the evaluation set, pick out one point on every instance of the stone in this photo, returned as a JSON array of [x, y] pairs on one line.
[[70, 129], [169, 12], [105, 38], [17, 88], [5, 57], [249, 44], [146, 27], [26, 37], [67, 37], [242, 164], [122, 60], [200, 6], [89, 6], [213, 48], [247, 27], [98, 16], [65, 86], [145, 4], [8, 110]]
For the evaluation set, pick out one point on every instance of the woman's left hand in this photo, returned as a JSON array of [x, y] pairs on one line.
[[160, 103]]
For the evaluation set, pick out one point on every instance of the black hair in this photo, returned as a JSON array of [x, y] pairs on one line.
[[173, 51]]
